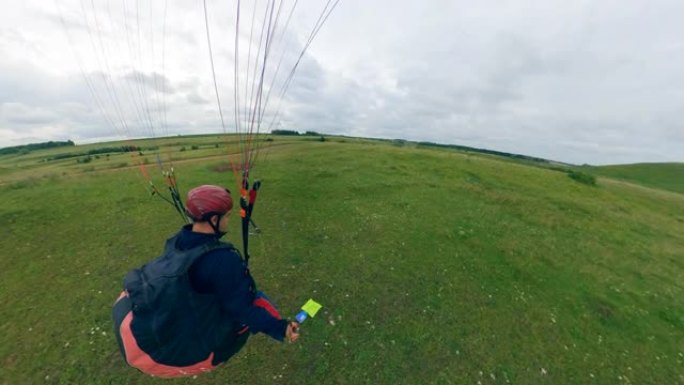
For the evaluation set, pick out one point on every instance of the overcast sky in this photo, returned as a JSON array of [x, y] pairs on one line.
[[598, 82]]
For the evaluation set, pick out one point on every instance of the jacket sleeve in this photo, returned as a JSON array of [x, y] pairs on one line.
[[230, 280]]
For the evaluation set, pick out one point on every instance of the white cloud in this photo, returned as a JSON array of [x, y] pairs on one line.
[[583, 82]]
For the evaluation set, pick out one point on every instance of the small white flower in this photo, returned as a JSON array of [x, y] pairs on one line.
[[543, 371]]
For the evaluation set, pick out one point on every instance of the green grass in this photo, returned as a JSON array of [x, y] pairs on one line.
[[666, 176], [434, 267]]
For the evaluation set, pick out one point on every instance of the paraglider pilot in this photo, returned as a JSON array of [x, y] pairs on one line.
[[194, 307]]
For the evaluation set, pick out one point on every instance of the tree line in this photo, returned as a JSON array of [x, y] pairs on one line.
[[26, 148]]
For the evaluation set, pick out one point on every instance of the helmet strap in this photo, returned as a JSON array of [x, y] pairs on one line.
[[216, 225]]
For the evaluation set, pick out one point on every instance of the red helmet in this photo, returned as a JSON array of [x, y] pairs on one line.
[[207, 200]]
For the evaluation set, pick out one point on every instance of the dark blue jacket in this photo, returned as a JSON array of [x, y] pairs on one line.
[[223, 273]]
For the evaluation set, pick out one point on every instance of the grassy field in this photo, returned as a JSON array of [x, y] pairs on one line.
[[433, 266], [666, 176]]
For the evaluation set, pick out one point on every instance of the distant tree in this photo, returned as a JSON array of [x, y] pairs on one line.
[[284, 132]]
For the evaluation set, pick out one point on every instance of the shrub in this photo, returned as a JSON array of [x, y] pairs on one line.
[[194, 147], [581, 177], [182, 148]]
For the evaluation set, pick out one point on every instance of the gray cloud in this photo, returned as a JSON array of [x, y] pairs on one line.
[[155, 82]]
